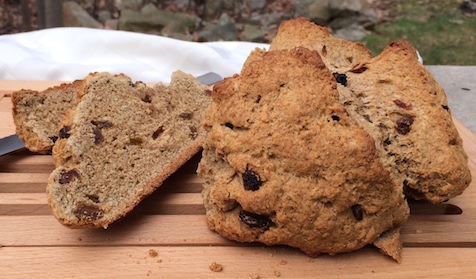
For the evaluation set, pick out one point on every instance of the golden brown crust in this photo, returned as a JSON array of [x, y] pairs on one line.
[[338, 54], [283, 164], [397, 101]]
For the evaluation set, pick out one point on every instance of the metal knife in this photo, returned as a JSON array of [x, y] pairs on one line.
[[12, 143]]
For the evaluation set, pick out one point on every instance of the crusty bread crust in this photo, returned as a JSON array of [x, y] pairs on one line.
[[284, 164], [286, 136], [398, 102]]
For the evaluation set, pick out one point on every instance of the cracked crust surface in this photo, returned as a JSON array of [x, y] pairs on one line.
[[398, 102], [284, 164]]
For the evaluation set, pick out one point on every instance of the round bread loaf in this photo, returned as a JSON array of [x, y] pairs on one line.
[[284, 164]]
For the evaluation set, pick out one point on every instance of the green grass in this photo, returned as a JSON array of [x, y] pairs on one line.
[[439, 31]]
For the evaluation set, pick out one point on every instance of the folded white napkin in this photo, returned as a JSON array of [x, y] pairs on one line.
[[67, 54]]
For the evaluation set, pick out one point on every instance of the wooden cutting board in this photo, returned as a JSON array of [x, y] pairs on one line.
[[166, 235]]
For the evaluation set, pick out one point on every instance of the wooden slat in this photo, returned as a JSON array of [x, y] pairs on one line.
[[237, 262], [7, 127], [423, 231], [26, 164], [14, 85], [163, 230]]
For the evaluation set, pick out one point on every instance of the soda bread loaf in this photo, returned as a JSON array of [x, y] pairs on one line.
[[37, 114], [398, 102], [283, 163], [120, 142]]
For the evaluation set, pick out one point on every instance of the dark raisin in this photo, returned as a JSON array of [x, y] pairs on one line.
[[324, 51], [54, 138], [229, 125], [193, 132], [131, 84], [445, 107], [67, 176], [186, 115], [251, 180], [208, 92], [64, 132], [387, 142], [359, 70], [136, 140], [158, 132], [367, 117], [98, 137], [404, 124], [147, 99], [357, 212], [341, 78], [258, 99], [88, 212], [402, 104], [254, 220], [93, 198], [101, 123], [335, 118]]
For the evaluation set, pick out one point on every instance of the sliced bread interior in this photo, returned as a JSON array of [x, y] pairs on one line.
[[119, 144]]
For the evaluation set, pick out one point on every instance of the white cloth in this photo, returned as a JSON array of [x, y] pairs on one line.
[[67, 54]]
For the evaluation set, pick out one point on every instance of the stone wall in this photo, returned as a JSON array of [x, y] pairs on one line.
[[214, 20]]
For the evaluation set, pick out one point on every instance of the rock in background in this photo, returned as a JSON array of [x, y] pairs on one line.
[[215, 20]]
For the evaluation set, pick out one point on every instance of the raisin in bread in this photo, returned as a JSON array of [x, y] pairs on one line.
[[284, 164], [397, 101], [37, 114], [120, 142]]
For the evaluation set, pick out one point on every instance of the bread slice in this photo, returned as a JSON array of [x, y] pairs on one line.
[[37, 114], [283, 163], [397, 101], [119, 144]]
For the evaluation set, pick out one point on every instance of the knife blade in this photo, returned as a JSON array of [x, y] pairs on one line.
[[10, 144], [13, 143], [209, 78]]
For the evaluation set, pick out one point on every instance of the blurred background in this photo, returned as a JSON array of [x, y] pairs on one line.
[[443, 31]]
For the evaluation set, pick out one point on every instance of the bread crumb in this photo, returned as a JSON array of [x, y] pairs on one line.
[[159, 260], [153, 253], [283, 262], [215, 267], [254, 276], [277, 273]]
